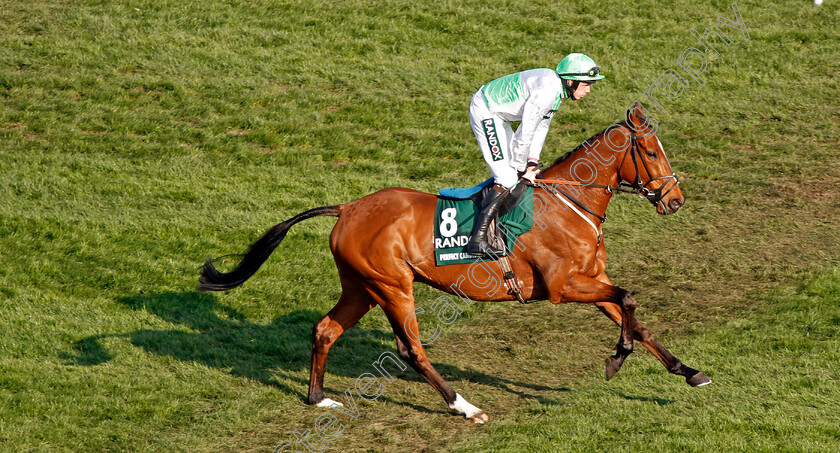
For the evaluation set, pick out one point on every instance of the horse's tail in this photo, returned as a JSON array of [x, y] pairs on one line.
[[213, 280]]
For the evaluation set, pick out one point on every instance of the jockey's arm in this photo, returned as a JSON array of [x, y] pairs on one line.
[[531, 133], [539, 138]]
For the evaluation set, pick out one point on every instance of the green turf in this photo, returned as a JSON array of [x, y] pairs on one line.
[[138, 138]]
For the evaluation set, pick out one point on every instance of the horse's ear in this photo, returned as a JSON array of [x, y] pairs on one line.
[[639, 121], [637, 112]]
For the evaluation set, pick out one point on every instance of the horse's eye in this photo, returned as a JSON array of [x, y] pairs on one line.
[[651, 154]]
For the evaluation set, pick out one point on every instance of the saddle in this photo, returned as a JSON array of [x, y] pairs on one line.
[[478, 193]]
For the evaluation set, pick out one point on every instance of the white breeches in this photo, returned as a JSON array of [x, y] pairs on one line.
[[494, 136]]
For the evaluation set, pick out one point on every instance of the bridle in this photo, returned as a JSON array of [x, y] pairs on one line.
[[655, 195], [638, 187]]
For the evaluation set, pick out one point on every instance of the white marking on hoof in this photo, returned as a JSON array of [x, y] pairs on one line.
[[471, 412], [326, 402], [705, 383]]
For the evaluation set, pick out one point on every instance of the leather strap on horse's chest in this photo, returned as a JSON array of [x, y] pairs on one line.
[[563, 196]]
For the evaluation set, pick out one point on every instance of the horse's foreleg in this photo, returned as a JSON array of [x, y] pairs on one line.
[[351, 306], [583, 289], [642, 334], [625, 341]]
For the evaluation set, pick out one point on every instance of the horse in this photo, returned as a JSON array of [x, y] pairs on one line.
[[382, 243]]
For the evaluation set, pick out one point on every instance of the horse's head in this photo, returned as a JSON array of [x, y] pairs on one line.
[[647, 168]]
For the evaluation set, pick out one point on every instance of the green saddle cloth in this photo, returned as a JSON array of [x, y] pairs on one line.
[[455, 219]]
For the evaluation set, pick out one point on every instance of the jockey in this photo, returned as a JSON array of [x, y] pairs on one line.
[[530, 97]]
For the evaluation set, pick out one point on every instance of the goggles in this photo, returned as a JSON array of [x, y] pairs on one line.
[[592, 73]]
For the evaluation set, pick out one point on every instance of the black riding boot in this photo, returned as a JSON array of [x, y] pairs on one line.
[[478, 245]]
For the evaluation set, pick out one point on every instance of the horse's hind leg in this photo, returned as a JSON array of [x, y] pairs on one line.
[[402, 349], [399, 308], [642, 334], [351, 306]]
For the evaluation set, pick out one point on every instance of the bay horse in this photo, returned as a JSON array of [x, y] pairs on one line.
[[382, 243]]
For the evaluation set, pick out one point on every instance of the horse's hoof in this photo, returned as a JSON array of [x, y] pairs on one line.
[[611, 367], [326, 402], [698, 380], [479, 418], [469, 411]]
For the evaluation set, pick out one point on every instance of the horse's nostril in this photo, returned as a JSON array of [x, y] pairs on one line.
[[675, 203]]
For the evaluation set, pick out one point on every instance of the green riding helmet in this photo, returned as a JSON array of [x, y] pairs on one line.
[[577, 66]]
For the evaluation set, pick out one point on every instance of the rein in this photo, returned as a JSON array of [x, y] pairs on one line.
[[638, 187]]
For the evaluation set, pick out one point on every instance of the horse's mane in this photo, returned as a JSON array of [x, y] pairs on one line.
[[566, 156]]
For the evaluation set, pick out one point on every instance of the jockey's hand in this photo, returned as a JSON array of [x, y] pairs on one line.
[[531, 171]]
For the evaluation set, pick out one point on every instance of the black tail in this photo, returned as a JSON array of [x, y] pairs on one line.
[[213, 280]]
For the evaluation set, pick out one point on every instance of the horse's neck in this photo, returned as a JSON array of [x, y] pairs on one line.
[[589, 164]]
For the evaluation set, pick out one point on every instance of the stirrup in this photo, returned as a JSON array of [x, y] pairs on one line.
[[480, 244], [488, 251]]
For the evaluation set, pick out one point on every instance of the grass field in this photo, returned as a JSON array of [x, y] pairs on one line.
[[138, 138]]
